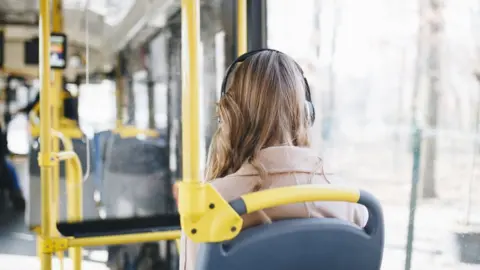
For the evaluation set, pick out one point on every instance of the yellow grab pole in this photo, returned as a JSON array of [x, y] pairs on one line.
[[191, 197], [124, 239], [57, 26], [74, 184], [45, 159], [57, 19], [241, 26], [74, 202], [190, 90]]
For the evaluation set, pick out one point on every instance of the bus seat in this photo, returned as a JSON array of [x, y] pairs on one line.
[[301, 244]]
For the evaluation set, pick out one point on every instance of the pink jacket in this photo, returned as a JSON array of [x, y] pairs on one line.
[[286, 166]]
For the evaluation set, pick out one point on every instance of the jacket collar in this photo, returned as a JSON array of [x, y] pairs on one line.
[[284, 159]]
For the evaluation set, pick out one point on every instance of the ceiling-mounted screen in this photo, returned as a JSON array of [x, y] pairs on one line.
[[58, 51]]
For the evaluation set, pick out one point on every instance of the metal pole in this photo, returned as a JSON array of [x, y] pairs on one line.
[[74, 187], [417, 142], [257, 24], [57, 26], [190, 91], [46, 158], [241, 26]]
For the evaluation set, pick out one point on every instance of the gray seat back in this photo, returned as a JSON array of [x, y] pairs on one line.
[[136, 177], [32, 190], [301, 244]]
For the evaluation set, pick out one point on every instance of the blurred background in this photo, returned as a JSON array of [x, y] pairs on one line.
[[381, 72]]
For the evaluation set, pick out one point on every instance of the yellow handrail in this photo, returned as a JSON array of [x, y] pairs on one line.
[[123, 239], [131, 131], [74, 185], [191, 196], [242, 27], [57, 104], [190, 91], [46, 159], [198, 202]]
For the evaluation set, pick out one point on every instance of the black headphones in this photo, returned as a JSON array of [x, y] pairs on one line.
[[308, 98]]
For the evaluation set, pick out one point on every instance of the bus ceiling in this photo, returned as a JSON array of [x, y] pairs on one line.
[[112, 25]]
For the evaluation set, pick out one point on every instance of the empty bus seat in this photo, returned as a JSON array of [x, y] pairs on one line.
[[136, 177]]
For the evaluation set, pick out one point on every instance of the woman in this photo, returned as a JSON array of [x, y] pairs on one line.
[[262, 142]]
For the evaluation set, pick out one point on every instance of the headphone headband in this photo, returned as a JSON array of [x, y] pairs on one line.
[[246, 55]]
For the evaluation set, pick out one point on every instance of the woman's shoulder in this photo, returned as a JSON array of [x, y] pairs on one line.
[[235, 185]]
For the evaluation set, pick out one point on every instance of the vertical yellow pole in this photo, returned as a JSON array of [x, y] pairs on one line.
[[46, 159], [74, 202], [57, 26], [241, 26], [190, 91]]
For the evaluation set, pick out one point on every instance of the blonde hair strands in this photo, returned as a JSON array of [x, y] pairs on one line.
[[264, 106]]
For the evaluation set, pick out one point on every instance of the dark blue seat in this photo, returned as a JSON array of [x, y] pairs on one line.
[[301, 244]]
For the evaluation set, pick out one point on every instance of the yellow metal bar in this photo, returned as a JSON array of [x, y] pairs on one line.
[[74, 177], [65, 155], [74, 201], [74, 189], [131, 131], [191, 195], [71, 131], [296, 194], [195, 198], [124, 239], [222, 222], [67, 142], [57, 26], [46, 160], [242, 26], [190, 90]]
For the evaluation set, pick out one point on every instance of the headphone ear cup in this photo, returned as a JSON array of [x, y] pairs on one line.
[[310, 112]]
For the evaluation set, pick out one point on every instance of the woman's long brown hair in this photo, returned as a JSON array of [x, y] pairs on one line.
[[264, 106]]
